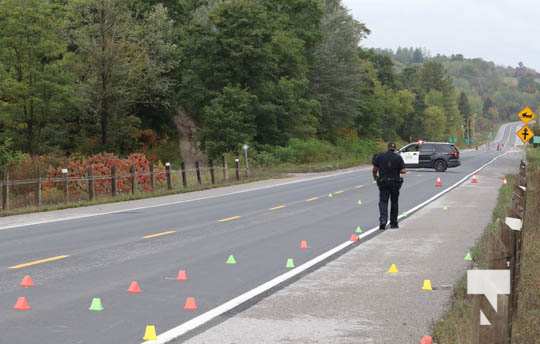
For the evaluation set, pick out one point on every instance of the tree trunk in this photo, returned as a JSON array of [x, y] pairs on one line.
[[189, 146]]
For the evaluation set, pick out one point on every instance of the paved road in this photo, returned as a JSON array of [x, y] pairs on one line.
[[262, 228]]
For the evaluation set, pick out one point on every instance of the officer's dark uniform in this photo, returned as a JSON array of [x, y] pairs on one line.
[[388, 165]]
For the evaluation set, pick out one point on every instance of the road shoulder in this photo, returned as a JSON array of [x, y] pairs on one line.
[[354, 300]]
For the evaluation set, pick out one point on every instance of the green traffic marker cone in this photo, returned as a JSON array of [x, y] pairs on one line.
[[231, 260], [358, 230], [468, 257], [290, 263], [96, 305]]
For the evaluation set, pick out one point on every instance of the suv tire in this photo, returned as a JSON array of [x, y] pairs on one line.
[[440, 165]]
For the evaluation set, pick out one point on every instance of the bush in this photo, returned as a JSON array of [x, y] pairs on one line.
[[313, 151]]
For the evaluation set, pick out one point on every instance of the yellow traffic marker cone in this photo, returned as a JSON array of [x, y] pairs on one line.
[[150, 333], [393, 269], [427, 285]]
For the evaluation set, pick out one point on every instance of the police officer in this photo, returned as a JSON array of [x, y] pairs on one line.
[[387, 170]]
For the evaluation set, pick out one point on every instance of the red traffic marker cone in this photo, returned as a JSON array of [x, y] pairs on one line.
[[27, 282], [182, 275], [134, 288], [474, 179], [426, 340], [303, 245], [354, 237], [22, 304], [191, 304], [438, 182]]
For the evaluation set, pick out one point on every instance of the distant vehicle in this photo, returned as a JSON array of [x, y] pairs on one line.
[[437, 155]]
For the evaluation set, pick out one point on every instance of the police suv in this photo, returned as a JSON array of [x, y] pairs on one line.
[[437, 155]]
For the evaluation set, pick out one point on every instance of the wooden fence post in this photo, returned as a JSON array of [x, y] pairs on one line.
[[91, 184], [497, 332], [168, 174], [225, 168], [198, 171], [152, 176], [5, 190], [212, 176], [38, 191], [133, 179], [66, 184], [237, 161], [114, 184], [184, 178]]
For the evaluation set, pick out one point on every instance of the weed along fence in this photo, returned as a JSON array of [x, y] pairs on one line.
[[66, 186], [493, 322]]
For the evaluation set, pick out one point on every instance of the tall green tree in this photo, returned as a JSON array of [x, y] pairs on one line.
[[337, 72], [122, 60], [36, 87]]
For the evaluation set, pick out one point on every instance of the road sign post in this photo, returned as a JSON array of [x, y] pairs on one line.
[[526, 115], [525, 134]]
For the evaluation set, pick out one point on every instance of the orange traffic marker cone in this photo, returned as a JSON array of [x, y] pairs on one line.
[[303, 245], [182, 275], [134, 288], [22, 304], [191, 304], [426, 340], [438, 182], [354, 237], [474, 179], [27, 282]]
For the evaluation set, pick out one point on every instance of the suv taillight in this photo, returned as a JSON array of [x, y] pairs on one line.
[[455, 154]]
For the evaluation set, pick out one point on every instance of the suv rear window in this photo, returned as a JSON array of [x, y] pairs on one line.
[[446, 148]]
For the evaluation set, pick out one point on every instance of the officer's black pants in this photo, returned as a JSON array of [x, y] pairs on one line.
[[389, 190]]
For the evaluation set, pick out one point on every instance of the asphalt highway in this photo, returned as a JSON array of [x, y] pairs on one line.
[[74, 261]]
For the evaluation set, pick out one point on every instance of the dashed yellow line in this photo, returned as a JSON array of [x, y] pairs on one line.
[[281, 206], [155, 235], [312, 199], [232, 218], [37, 262], [339, 192]]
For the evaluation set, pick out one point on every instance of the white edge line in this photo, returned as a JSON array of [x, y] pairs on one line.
[[83, 216], [202, 319]]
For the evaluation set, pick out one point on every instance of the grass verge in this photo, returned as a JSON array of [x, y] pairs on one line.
[[455, 327]]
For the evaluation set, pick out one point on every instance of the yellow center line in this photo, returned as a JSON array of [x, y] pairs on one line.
[[278, 207], [150, 236], [312, 199], [230, 219], [36, 262], [339, 192]]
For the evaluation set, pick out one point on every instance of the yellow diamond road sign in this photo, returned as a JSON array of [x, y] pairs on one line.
[[525, 134], [526, 115]]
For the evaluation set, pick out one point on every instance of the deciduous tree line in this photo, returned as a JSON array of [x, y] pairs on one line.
[[87, 76]]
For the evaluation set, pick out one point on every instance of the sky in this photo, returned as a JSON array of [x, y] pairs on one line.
[[503, 31]]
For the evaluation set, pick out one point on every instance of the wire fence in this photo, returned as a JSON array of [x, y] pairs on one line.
[[92, 186]]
